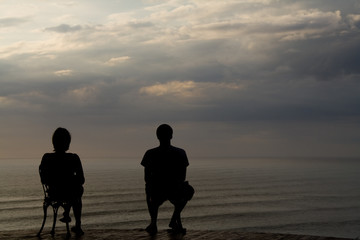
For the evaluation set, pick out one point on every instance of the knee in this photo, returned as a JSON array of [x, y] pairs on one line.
[[179, 203]]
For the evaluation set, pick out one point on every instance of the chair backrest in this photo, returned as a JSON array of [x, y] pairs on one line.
[[46, 192], [50, 196], [44, 186]]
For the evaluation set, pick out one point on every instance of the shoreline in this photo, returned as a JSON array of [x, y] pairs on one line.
[[140, 234]]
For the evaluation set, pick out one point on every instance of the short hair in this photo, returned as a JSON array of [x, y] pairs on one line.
[[61, 140], [164, 132]]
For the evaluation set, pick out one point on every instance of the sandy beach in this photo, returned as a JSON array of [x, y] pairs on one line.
[[140, 234]]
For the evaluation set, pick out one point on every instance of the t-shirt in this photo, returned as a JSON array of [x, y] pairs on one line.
[[63, 173], [166, 165]]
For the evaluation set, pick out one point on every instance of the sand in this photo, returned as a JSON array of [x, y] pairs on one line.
[[139, 234]]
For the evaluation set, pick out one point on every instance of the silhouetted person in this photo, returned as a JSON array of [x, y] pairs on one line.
[[64, 175], [165, 173]]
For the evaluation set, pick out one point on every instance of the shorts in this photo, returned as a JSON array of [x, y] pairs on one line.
[[179, 193]]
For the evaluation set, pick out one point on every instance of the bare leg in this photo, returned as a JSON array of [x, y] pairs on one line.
[[175, 222], [77, 209], [153, 211], [66, 215]]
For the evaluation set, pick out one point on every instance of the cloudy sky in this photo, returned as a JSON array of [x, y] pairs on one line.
[[235, 78]]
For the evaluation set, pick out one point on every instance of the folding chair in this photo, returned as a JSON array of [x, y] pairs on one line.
[[55, 204]]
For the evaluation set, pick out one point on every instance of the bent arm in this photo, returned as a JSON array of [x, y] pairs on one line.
[[182, 176], [79, 172], [45, 177], [147, 175], [185, 162]]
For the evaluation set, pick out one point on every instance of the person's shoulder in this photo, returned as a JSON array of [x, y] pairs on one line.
[[47, 156], [177, 149], [181, 155], [152, 151], [47, 160], [149, 155], [72, 156]]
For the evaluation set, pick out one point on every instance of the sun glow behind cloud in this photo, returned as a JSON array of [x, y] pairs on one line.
[[186, 89], [117, 60], [65, 72]]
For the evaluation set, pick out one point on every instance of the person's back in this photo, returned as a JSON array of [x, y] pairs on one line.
[[64, 175], [165, 173], [62, 172], [167, 166]]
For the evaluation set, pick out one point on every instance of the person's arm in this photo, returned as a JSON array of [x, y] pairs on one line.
[[147, 175], [44, 171], [182, 175], [147, 170], [182, 170], [79, 171]]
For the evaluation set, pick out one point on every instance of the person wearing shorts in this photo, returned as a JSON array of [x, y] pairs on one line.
[[165, 174]]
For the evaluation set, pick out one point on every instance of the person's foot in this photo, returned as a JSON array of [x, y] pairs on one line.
[[176, 228], [172, 224], [65, 219], [151, 229], [77, 230], [177, 231]]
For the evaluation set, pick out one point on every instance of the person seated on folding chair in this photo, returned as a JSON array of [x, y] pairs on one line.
[[64, 175], [165, 173]]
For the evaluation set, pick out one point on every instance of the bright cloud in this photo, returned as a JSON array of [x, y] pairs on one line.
[[117, 60], [177, 88], [65, 72], [354, 20], [186, 89], [28, 101], [82, 95], [5, 102]]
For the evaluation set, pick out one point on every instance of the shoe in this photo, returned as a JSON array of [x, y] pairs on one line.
[[78, 231], [151, 229], [181, 231], [176, 229], [172, 224], [65, 219]]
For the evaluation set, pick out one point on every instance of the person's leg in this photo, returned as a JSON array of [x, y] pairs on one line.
[[61, 196], [66, 215], [77, 210], [175, 222], [153, 207]]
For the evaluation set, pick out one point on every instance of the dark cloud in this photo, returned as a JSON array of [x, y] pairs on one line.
[[64, 28], [139, 25], [11, 22], [331, 58]]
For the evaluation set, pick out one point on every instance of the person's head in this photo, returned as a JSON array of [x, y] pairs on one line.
[[164, 133], [61, 140]]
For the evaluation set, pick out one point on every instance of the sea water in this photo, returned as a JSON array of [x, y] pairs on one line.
[[300, 196]]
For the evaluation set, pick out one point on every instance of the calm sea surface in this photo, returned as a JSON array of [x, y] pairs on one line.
[[300, 196]]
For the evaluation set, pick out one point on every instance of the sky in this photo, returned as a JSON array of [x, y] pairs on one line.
[[234, 78]]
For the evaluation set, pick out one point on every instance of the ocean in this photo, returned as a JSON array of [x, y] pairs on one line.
[[312, 196]]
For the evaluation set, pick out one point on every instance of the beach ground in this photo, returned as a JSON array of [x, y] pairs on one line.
[[140, 234]]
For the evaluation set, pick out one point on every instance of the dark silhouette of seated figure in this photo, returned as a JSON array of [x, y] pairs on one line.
[[165, 173], [63, 174]]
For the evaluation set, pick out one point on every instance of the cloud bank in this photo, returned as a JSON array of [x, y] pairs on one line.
[[234, 78]]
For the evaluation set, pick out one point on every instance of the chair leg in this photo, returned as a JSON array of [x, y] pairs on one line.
[[68, 234], [67, 208], [55, 210], [45, 206]]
